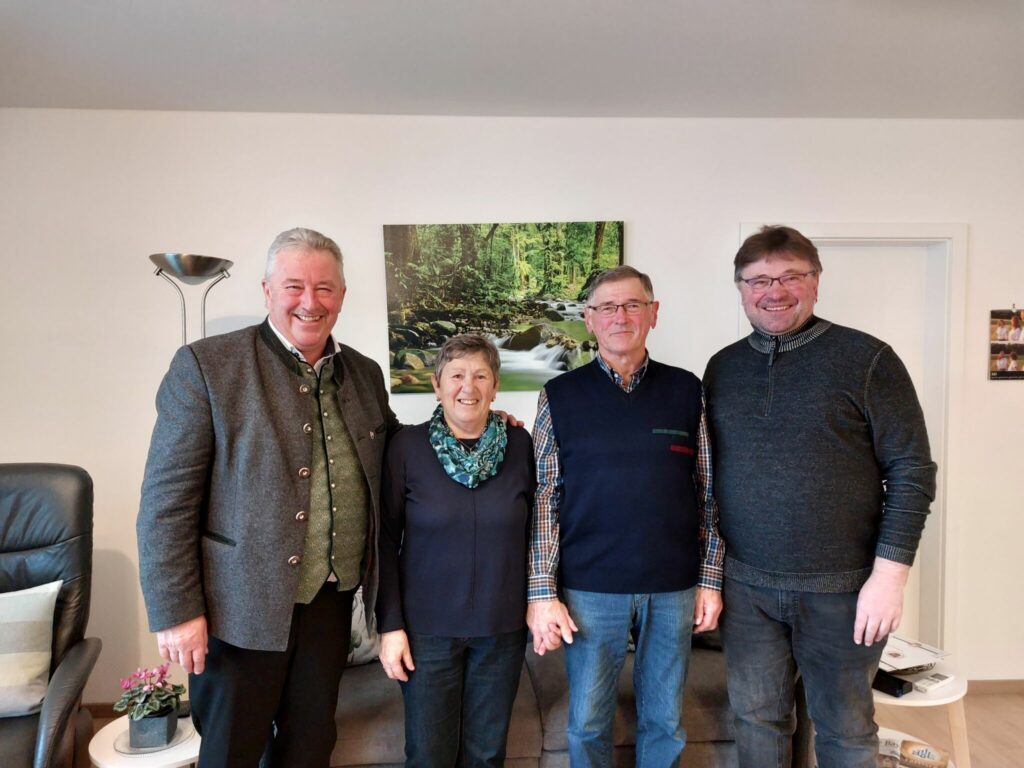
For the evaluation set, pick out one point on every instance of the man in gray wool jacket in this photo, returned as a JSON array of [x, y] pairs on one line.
[[259, 514], [823, 478]]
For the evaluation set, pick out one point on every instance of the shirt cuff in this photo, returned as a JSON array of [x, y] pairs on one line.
[[541, 587], [710, 577]]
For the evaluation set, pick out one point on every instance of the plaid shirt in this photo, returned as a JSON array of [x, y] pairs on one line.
[[543, 557]]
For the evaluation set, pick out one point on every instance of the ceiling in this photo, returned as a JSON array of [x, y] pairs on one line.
[[608, 58]]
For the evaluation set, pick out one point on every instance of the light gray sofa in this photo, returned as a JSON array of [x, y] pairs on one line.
[[371, 730]]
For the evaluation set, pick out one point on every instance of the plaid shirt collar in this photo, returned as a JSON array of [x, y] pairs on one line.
[[634, 380]]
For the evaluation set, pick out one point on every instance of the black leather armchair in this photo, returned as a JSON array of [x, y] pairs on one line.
[[45, 535]]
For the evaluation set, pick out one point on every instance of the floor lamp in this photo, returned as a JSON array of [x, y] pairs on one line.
[[191, 269]]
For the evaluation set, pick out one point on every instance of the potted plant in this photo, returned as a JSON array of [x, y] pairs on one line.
[[152, 703]]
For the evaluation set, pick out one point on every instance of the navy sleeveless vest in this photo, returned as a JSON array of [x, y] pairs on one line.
[[628, 516]]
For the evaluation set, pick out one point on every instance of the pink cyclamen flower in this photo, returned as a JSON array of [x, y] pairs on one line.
[[126, 684], [147, 688]]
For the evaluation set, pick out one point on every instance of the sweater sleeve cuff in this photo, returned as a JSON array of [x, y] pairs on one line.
[[896, 554], [389, 617]]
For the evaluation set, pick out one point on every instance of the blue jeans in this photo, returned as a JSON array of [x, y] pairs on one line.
[[458, 701], [770, 634], [661, 623]]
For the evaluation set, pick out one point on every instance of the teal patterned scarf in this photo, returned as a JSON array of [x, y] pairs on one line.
[[469, 466]]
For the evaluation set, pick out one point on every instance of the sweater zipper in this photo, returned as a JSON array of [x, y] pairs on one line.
[[771, 375]]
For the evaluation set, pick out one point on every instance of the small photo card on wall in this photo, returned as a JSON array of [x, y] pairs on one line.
[[1006, 344]]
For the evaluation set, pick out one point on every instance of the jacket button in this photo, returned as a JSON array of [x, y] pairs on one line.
[[294, 560], [300, 515], [304, 389], [307, 428], [304, 472], [372, 434]]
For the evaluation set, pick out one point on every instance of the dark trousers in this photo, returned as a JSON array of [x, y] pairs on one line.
[[458, 701], [282, 702], [768, 634]]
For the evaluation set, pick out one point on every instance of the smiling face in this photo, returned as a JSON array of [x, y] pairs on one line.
[[466, 387], [779, 309], [304, 294], [621, 335]]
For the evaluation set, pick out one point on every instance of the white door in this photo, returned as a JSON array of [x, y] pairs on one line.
[[883, 290]]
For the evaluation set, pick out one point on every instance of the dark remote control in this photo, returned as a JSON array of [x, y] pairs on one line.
[[894, 686]]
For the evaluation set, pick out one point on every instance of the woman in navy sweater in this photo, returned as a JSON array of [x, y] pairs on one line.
[[457, 496]]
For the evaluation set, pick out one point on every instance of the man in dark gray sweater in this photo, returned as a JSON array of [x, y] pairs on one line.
[[823, 478]]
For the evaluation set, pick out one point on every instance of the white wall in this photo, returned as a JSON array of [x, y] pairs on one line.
[[86, 331]]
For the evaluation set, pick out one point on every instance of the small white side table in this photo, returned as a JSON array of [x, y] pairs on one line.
[[103, 755], [951, 696]]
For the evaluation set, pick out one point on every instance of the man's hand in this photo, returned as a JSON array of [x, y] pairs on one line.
[[550, 624], [706, 609], [511, 420], [185, 643], [395, 656], [880, 602]]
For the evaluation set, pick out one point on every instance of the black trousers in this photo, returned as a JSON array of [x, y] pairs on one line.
[[280, 702]]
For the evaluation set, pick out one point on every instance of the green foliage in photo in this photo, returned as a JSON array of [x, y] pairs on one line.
[[499, 280]]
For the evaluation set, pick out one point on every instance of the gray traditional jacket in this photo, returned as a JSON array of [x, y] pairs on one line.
[[227, 476]]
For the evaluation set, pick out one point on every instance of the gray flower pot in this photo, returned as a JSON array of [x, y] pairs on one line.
[[153, 731]]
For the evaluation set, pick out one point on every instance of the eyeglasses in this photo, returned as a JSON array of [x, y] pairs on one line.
[[763, 283], [609, 310]]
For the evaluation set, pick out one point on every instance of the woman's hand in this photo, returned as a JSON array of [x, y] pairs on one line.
[[395, 655]]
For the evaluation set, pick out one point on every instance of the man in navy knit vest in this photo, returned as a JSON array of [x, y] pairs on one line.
[[823, 477], [625, 536]]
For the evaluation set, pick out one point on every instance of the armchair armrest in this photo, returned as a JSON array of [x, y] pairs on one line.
[[62, 697]]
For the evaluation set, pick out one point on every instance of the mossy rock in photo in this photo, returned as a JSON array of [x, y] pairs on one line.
[[532, 336], [443, 326], [410, 358], [411, 381], [403, 336]]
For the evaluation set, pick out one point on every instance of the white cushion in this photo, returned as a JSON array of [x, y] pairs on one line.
[[26, 635], [365, 642]]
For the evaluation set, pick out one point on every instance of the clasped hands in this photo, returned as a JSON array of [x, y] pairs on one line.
[[551, 625]]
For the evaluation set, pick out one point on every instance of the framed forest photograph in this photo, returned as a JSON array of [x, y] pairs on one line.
[[521, 285]]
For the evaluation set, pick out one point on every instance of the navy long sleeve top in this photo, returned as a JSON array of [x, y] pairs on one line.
[[453, 559]]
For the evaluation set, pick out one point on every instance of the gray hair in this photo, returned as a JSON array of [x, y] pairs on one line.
[[467, 344], [614, 275], [305, 240]]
